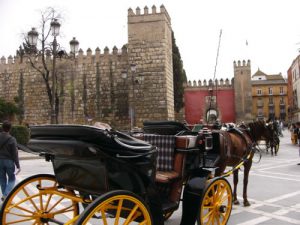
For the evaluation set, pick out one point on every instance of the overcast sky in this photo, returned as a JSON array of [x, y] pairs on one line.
[[271, 29]]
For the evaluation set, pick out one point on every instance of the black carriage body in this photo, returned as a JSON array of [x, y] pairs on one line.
[[93, 161], [90, 160]]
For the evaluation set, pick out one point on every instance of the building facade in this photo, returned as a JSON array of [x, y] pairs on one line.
[[270, 98], [294, 81], [209, 101], [101, 86]]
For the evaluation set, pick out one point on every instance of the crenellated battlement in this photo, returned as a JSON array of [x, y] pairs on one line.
[[107, 53], [147, 12], [242, 63], [222, 83]]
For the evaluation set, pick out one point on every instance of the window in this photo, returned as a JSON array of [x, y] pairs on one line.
[[271, 101], [259, 92], [281, 101], [259, 102], [260, 112], [281, 90], [270, 91]]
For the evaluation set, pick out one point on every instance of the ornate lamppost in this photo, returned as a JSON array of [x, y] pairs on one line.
[[134, 80], [55, 51]]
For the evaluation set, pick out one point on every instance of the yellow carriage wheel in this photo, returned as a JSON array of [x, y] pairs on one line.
[[216, 203], [116, 207], [30, 203]]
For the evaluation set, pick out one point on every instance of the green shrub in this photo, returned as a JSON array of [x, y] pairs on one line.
[[21, 133]]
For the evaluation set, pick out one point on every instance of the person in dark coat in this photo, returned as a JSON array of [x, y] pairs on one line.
[[9, 159], [298, 136]]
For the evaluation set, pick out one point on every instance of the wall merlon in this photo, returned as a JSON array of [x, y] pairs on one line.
[[3, 60], [153, 9], [138, 11], [130, 12], [10, 60], [106, 50], [219, 83], [80, 53], [89, 52], [146, 10], [124, 50], [115, 50], [97, 51]]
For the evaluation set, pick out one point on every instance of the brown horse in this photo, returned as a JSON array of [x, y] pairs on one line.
[[240, 146]]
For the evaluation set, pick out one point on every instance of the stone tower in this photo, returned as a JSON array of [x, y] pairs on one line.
[[150, 48], [242, 91]]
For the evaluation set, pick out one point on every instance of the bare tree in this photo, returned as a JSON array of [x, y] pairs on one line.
[[42, 57]]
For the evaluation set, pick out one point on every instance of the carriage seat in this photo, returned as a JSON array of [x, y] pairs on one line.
[[169, 165]]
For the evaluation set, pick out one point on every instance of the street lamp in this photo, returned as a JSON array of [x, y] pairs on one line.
[[134, 80], [74, 45], [32, 37], [132, 111]]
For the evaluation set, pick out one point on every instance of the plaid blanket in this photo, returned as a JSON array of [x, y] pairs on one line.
[[166, 146]]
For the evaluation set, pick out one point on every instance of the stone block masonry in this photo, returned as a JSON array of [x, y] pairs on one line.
[[91, 87]]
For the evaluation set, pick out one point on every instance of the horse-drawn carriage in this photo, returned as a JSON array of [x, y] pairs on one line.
[[114, 178]]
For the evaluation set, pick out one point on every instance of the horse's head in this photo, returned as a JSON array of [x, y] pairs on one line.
[[262, 131]]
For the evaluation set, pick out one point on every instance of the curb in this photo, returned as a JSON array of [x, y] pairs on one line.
[[28, 156]]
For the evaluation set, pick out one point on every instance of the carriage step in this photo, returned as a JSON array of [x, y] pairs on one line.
[[169, 206], [211, 160]]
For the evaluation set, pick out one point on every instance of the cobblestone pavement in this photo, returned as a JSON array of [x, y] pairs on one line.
[[274, 187]]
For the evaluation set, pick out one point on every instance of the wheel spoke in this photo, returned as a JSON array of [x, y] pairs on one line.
[[48, 202], [21, 208], [128, 220], [30, 199], [118, 211], [61, 198], [208, 214], [64, 210], [103, 216], [41, 196], [221, 192], [19, 221]]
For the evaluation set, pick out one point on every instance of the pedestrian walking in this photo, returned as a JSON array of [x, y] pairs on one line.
[[9, 159], [298, 136]]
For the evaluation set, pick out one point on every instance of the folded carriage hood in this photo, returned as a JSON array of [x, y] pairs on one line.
[[83, 140]]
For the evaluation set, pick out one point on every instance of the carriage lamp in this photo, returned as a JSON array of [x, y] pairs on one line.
[[206, 139], [208, 142]]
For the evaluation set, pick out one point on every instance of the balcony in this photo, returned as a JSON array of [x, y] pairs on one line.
[[260, 104]]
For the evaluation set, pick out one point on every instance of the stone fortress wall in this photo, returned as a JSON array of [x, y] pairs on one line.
[[91, 87]]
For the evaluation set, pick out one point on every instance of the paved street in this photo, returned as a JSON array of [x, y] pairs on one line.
[[274, 188]]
